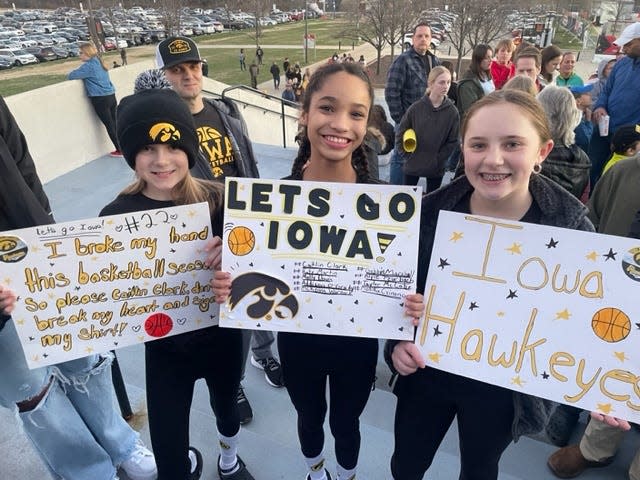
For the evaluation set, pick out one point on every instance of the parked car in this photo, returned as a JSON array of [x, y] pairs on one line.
[[5, 62], [19, 57], [43, 54]]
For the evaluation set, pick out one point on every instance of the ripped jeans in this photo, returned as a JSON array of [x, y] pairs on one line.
[[76, 428]]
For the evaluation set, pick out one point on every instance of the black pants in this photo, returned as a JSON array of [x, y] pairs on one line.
[[172, 367], [428, 401], [433, 183], [105, 108], [276, 81], [350, 365], [599, 153]]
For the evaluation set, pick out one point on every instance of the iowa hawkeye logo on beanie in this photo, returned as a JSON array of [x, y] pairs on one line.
[[155, 117]]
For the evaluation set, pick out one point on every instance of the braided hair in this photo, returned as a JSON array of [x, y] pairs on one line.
[[359, 156]]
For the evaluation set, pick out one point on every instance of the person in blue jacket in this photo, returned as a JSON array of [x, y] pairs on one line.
[[101, 92], [620, 99]]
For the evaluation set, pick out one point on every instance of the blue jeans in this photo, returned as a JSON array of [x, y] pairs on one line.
[[396, 175], [76, 428]]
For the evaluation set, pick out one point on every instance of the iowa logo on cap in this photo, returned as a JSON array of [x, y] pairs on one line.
[[164, 132], [179, 46]]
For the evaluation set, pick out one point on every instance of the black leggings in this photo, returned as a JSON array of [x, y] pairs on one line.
[[428, 401], [350, 365], [105, 108], [172, 367], [433, 183]]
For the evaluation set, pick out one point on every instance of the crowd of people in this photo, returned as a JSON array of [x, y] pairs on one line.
[[541, 176]]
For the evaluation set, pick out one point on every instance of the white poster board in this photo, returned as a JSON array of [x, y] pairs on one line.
[[91, 286], [541, 310], [325, 258]]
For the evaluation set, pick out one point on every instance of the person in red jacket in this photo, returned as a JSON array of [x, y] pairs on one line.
[[502, 68]]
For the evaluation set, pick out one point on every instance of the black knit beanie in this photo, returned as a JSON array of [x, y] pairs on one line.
[[153, 117]]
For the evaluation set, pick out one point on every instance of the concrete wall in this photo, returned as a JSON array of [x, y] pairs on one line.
[[64, 133]]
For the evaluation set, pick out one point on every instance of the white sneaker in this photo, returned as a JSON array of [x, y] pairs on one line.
[[141, 465]]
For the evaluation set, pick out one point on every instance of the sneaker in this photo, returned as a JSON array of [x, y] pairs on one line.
[[141, 465], [326, 473], [272, 370], [116, 153], [244, 407], [195, 458], [240, 471]]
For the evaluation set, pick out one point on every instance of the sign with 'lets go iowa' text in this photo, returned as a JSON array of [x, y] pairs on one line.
[[323, 258]]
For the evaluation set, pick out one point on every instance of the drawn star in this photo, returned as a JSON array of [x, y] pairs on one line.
[[621, 356], [20, 322], [474, 305], [455, 236], [88, 349], [51, 295], [435, 357], [638, 325], [184, 225], [94, 258], [443, 263], [545, 375], [223, 315], [35, 248], [198, 321], [605, 408], [339, 308], [36, 358], [436, 331], [592, 256], [515, 248], [611, 255], [7, 281], [141, 338], [512, 294], [552, 243], [563, 315], [517, 381], [191, 213], [359, 330], [109, 222]]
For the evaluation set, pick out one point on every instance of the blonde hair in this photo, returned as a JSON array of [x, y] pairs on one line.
[[522, 83], [435, 73], [507, 44], [90, 50], [189, 190]]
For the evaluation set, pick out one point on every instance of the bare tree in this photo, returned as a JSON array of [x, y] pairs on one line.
[[170, 12], [400, 19], [370, 26], [258, 8]]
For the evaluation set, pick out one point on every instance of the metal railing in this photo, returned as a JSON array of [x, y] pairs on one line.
[[280, 100]]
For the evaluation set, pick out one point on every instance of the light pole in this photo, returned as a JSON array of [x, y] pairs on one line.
[[306, 32]]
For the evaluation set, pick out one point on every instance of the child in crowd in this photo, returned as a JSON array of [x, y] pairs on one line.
[[584, 130], [173, 364], [334, 117], [625, 143], [436, 123], [502, 68], [501, 164]]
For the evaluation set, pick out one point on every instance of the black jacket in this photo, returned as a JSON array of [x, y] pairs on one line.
[[23, 202], [569, 167]]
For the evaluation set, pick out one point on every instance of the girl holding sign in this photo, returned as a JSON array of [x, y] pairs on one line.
[[334, 117], [159, 141], [501, 163]]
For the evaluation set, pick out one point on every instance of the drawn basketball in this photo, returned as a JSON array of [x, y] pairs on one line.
[[158, 325], [611, 325], [241, 241]]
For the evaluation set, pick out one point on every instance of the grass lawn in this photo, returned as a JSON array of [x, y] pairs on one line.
[[223, 62]]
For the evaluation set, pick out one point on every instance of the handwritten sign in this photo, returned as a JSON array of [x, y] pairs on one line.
[[91, 286], [326, 258], [541, 310]]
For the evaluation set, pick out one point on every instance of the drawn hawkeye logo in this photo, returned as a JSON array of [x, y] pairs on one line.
[[631, 264], [274, 296], [12, 249]]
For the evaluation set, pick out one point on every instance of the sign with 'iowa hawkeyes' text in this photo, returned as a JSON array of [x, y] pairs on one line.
[[324, 258], [91, 286], [541, 310]]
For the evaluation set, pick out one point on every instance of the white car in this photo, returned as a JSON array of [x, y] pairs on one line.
[[19, 57]]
